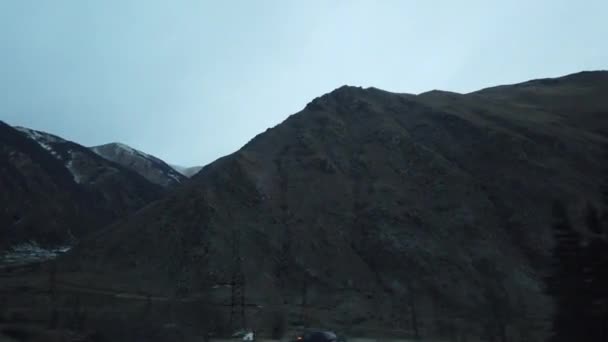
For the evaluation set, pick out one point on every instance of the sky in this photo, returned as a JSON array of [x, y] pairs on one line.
[[190, 81]]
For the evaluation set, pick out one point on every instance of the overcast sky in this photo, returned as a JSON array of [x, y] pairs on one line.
[[190, 81]]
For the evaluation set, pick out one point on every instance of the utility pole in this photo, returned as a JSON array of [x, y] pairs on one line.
[[412, 310], [53, 294], [237, 301], [304, 313]]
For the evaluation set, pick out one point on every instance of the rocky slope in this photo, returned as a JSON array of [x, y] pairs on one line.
[[152, 168], [376, 210], [54, 191]]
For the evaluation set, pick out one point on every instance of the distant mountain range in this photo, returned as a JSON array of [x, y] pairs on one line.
[[368, 212], [56, 191]]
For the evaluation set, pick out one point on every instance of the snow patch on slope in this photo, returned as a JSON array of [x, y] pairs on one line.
[[174, 177], [122, 148], [133, 151], [45, 140], [42, 139], [73, 170], [149, 166], [30, 252]]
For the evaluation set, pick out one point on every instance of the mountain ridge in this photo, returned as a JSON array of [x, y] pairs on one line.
[[371, 199]]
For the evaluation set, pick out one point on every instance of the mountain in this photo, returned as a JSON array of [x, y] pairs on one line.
[[187, 171], [55, 191], [369, 212], [152, 168]]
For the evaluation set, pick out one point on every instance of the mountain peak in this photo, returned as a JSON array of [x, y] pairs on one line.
[[346, 91], [152, 168], [120, 146], [340, 96], [347, 87], [374, 191]]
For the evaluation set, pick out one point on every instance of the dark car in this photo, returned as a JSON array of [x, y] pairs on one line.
[[319, 336]]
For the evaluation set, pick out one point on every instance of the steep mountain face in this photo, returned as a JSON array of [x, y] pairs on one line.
[[187, 171], [55, 191], [376, 210], [152, 168]]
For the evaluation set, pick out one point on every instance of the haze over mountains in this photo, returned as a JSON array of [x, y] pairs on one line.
[[366, 211], [187, 171]]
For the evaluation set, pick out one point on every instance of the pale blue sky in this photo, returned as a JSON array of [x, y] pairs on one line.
[[190, 81]]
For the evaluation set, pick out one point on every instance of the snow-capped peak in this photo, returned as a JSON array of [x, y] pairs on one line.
[[102, 150], [131, 150], [152, 168]]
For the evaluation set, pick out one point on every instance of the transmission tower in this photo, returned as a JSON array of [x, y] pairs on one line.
[[237, 301]]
